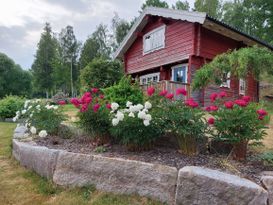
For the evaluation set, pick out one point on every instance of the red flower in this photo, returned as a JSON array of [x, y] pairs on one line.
[[211, 120], [213, 108], [261, 117], [86, 100], [96, 107], [181, 91], [87, 94], [169, 96], [101, 96], [261, 112], [108, 106], [229, 104], [62, 102], [75, 102], [94, 90], [213, 97], [222, 94], [163, 93], [84, 108], [241, 103], [246, 98], [190, 102], [150, 91]]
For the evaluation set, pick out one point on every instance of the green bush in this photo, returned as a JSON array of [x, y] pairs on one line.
[[9, 105], [124, 91], [135, 126], [267, 158], [41, 116], [100, 73]]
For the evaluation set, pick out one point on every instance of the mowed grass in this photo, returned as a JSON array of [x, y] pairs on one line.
[[19, 186]]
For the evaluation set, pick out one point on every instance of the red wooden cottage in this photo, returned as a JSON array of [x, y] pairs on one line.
[[167, 46]]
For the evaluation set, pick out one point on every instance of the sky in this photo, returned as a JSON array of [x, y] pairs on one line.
[[22, 21]]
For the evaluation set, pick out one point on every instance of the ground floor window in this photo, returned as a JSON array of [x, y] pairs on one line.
[[179, 73], [242, 87], [149, 78], [226, 80]]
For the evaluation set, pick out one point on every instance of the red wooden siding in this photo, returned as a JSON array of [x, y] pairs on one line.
[[178, 46]]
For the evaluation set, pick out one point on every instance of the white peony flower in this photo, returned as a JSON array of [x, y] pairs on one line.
[[26, 103], [42, 133], [146, 122], [15, 119], [29, 107], [114, 106], [140, 107], [17, 113], [120, 116], [23, 111], [115, 121], [38, 107], [55, 107], [38, 100], [148, 117], [31, 115], [131, 114], [148, 105], [129, 104], [141, 115], [133, 108], [33, 130]]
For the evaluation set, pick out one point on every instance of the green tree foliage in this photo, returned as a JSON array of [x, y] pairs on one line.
[[211, 7], [100, 73], [120, 29], [240, 63], [13, 79], [181, 5], [44, 62], [154, 3], [69, 50]]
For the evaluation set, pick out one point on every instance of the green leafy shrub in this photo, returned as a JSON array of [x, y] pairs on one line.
[[100, 73], [41, 116], [267, 158], [124, 91], [237, 123], [9, 105], [94, 115], [134, 126]]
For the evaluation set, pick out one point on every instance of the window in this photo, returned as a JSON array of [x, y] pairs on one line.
[[149, 78], [154, 40], [226, 80], [242, 87], [179, 73]]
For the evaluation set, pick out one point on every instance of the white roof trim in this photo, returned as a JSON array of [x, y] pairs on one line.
[[198, 17]]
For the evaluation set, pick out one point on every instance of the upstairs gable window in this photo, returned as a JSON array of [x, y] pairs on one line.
[[154, 40]]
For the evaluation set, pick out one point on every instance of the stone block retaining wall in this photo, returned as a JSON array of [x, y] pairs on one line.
[[190, 185]]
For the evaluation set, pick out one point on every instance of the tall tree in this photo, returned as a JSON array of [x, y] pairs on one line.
[[181, 5], [212, 7], [45, 58], [120, 29], [69, 50], [155, 3]]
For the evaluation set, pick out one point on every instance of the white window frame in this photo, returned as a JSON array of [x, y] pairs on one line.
[[227, 83], [151, 32], [179, 66], [242, 91], [150, 75]]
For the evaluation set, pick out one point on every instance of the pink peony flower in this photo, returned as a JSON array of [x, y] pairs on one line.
[[87, 94], [222, 94], [163, 93], [229, 104], [101, 96], [213, 97], [261, 117], [181, 91], [75, 102], [208, 109], [96, 107], [94, 90], [150, 91], [213, 108], [62, 102], [87, 100], [261, 112], [108, 106], [169, 96], [84, 108], [211, 121], [241, 103], [191, 103], [246, 98]]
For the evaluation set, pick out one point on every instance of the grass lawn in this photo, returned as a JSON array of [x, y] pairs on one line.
[[19, 186]]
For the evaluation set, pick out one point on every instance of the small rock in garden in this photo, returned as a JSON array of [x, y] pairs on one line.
[[267, 182]]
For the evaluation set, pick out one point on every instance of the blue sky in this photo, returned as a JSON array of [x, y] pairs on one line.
[[22, 21]]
